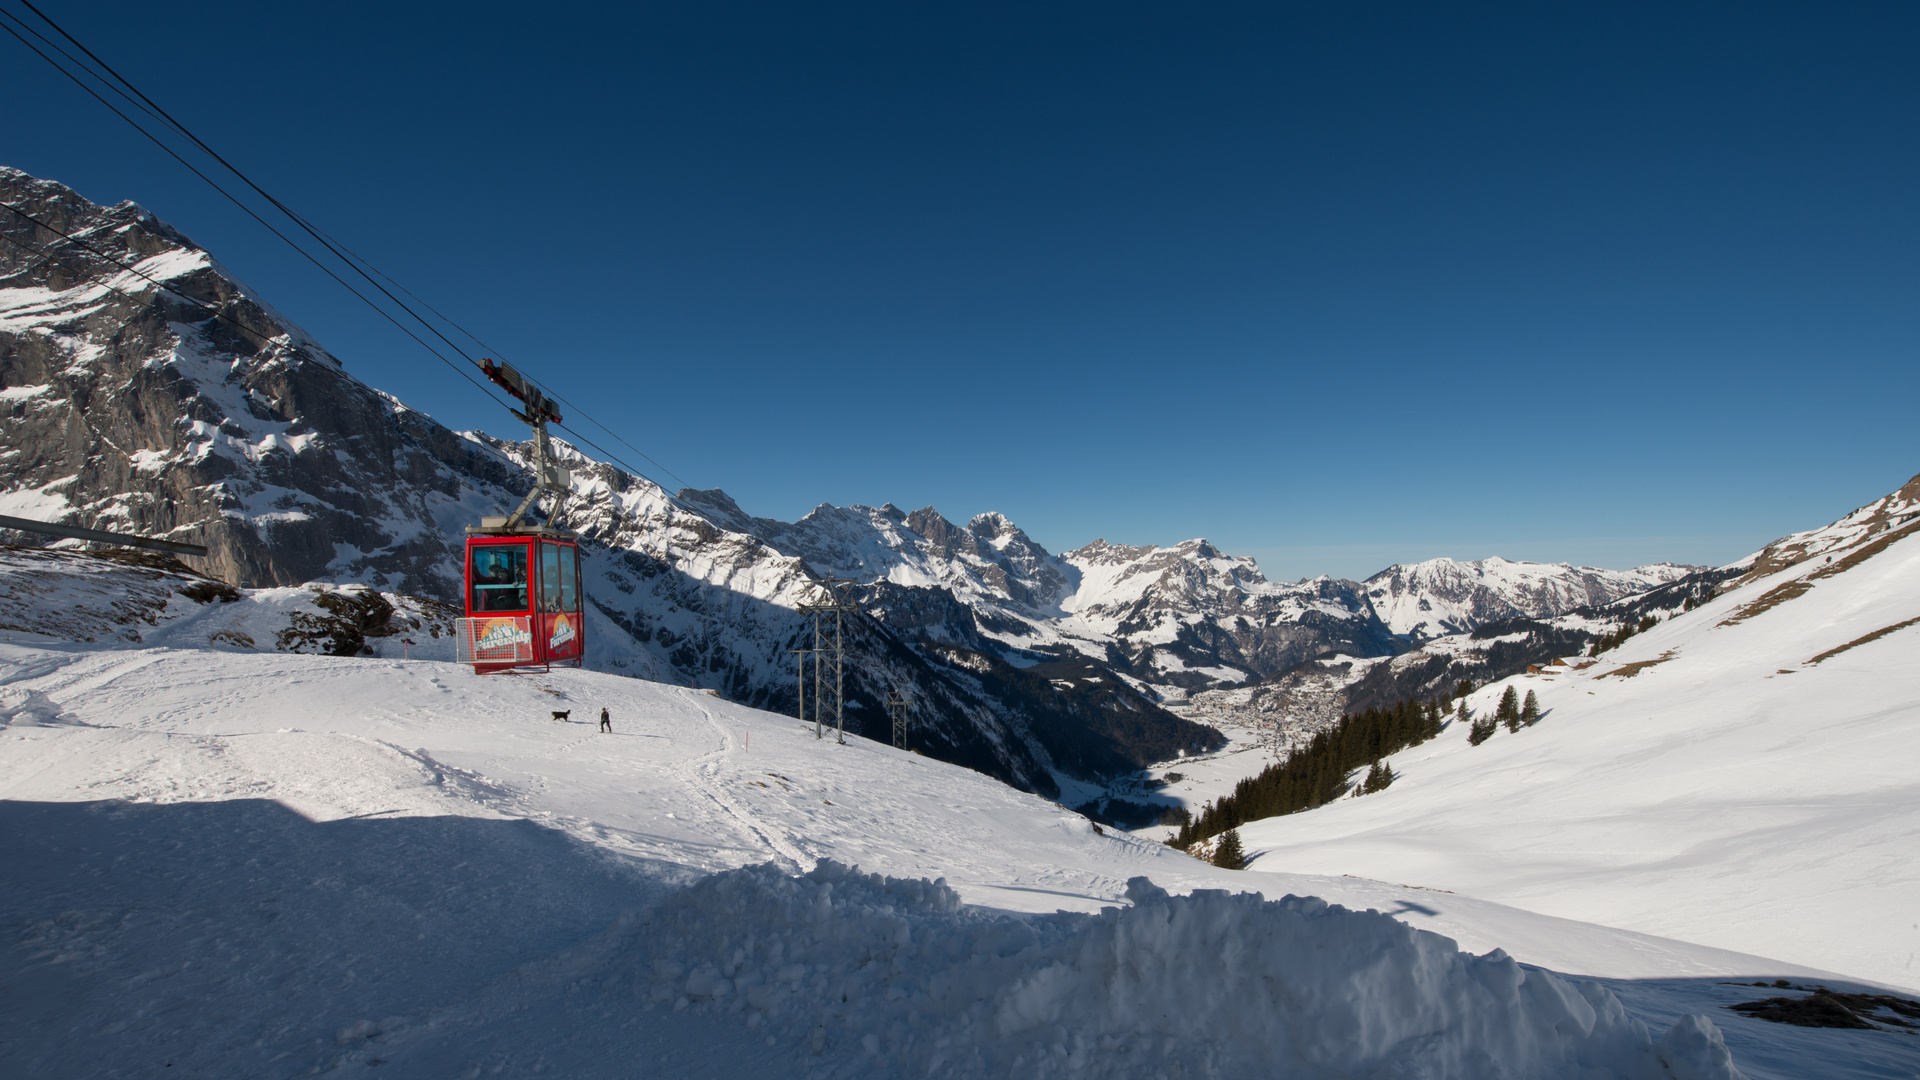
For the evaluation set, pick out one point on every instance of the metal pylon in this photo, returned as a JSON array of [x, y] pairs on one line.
[[839, 603], [897, 708], [800, 658]]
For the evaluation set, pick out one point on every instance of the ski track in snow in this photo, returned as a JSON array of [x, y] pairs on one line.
[[702, 774], [163, 798], [674, 793]]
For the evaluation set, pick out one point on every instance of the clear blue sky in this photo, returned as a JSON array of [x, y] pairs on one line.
[[1335, 286]]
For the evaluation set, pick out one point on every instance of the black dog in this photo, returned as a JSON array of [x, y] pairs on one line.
[[563, 715]]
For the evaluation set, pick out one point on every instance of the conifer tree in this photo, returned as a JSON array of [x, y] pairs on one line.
[[1379, 778], [1509, 711], [1530, 712], [1227, 853], [1481, 731]]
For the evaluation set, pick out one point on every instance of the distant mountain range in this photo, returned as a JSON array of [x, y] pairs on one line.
[[132, 407], [1185, 616]]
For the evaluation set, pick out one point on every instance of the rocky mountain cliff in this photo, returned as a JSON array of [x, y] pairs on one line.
[[192, 410], [1182, 618], [128, 407], [1186, 616], [131, 406]]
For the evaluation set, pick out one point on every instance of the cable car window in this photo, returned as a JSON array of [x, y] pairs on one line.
[[549, 578], [500, 577], [569, 579]]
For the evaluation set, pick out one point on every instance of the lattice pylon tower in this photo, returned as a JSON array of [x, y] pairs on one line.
[[800, 664], [897, 709], [839, 603]]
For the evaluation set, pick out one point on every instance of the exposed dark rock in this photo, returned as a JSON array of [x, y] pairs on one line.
[[1821, 1007]]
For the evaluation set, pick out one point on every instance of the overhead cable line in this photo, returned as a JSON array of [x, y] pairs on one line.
[[131, 296], [543, 387], [353, 261], [77, 62], [153, 109], [244, 207], [208, 308], [215, 312]]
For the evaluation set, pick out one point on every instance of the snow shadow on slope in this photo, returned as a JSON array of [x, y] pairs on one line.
[[884, 976], [239, 938]]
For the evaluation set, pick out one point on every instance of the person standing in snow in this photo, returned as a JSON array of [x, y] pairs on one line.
[[606, 722]]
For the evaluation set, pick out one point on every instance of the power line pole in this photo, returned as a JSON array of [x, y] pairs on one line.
[[800, 663], [839, 603], [897, 708]]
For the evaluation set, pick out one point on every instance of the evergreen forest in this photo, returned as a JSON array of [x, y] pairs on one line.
[[1317, 773]]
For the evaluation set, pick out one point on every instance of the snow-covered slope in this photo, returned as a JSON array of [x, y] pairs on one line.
[[121, 595], [344, 862], [126, 405], [1741, 774]]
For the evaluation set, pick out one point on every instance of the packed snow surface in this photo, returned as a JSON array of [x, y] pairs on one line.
[[1209, 984], [250, 863]]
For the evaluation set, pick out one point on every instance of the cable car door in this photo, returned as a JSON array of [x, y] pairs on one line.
[[562, 631]]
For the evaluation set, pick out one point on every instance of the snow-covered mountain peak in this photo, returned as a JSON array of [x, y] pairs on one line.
[[1124, 573], [294, 472], [995, 529], [990, 560], [1447, 596]]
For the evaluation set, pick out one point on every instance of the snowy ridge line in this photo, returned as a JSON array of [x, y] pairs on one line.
[[1187, 616], [880, 976], [1289, 709], [1446, 596], [1874, 519], [293, 472]]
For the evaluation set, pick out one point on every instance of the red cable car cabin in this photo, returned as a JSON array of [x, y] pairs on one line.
[[523, 601]]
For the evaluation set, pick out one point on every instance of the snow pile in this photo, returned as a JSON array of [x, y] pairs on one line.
[[893, 976], [143, 598]]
